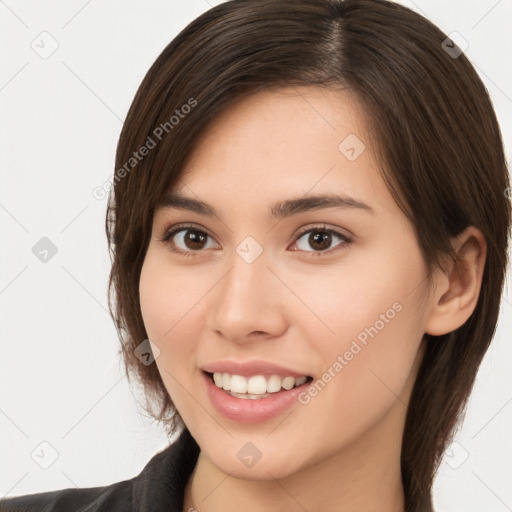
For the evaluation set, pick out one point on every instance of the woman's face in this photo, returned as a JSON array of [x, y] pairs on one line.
[[275, 277]]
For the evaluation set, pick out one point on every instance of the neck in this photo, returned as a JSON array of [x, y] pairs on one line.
[[363, 476]]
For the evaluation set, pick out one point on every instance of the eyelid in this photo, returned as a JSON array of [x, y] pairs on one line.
[[175, 228], [323, 226]]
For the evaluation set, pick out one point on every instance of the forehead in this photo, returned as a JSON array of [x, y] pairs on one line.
[[286, 142], [286, 116]]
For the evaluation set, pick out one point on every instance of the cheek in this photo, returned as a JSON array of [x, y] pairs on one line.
[[369, 336], [167, 297], [367, 370], [170, 299], [164, 306], [372, 295], [161, 307]]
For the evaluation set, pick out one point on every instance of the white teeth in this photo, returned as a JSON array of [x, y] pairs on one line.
[[256, 386], [274, 384], [217, 377], [226, 381], [239, 384], [299, 381], [288, 382]]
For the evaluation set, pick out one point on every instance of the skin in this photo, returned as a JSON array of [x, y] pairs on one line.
[[340, 451]]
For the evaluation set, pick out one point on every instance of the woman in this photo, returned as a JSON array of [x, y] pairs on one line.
[[309, 221]]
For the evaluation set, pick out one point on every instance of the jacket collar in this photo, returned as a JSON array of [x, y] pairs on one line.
[[160, 486]]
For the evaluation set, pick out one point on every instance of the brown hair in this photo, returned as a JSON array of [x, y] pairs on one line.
[[439, 147]]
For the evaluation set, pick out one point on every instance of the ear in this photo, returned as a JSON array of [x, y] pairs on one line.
[[457, 288]]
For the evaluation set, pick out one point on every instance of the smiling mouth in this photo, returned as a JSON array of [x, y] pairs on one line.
[[256, 386]]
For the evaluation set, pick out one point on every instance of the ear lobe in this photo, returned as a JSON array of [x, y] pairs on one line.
[[458, 288]]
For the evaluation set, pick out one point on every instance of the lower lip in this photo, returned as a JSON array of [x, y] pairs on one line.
[[246, 410]]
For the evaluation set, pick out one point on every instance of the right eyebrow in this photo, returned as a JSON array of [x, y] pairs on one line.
[[180, 202]]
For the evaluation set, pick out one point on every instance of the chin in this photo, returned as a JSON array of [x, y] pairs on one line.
[[271, 467]]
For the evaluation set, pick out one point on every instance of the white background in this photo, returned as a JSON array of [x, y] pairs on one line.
[[61, 377]]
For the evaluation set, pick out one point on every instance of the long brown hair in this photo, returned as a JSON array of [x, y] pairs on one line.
[[439, 146]]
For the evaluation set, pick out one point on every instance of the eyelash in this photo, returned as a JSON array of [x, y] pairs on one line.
[[346, 241]]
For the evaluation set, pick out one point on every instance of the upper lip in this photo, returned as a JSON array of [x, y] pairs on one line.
[[249, 368]]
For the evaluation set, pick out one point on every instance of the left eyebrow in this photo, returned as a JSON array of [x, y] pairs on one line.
[[317, 202], [279, 210]]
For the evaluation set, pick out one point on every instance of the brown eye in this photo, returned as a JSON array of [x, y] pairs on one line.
[[194, 239], [188, 239], [321, 240]]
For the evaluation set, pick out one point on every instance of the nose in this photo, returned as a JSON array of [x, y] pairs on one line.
[[248, 303]]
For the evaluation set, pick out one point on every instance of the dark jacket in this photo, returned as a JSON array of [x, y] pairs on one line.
[[159, 487]]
